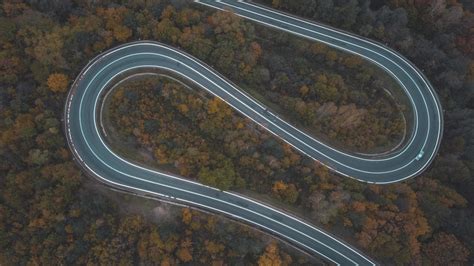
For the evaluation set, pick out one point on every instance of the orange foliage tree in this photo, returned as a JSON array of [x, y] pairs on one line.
[[57, 82]]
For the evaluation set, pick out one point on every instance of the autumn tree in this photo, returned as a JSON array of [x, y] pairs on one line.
[[271, 257], [287, 192], [114, 22], [184, 254], [446, 249], [47, 212], [57, 82]]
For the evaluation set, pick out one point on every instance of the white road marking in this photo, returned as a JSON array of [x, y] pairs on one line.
[[98, 58]]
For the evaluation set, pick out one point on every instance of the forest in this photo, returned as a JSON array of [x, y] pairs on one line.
[[50, 213]]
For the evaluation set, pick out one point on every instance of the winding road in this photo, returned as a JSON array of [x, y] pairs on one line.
[[91, 152]]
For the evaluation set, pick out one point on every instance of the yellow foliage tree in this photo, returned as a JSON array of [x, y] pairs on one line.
[[271, 257], [304, 90], [122, 33], [213, 106], [213, 247], [57, 82], [279, 186], [183, 108], [184, 255], [114, 22], [286, 192], [187, 215]]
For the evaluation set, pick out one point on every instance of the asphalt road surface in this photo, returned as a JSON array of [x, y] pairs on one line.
[[91, 152]]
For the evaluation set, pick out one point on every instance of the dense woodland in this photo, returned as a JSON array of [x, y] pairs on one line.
[[48, 214], [438, 37], [190, 133]]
